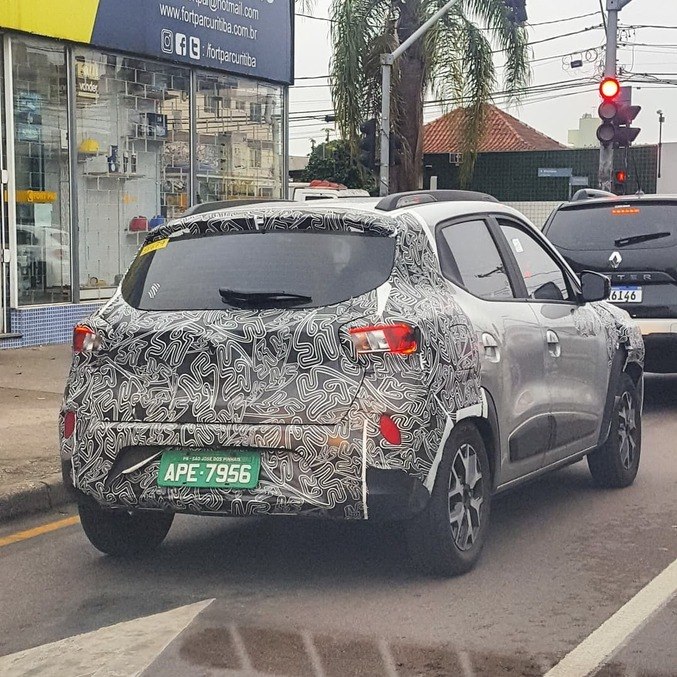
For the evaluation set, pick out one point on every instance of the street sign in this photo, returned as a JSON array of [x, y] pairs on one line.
[[555, 172], [579, 181]]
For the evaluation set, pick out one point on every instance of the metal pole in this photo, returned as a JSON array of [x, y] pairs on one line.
[[606, 153], [386, 69], [661, 120], [73, 211], [387, 61]]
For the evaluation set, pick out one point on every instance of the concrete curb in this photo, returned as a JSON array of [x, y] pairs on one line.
[[27, 498]]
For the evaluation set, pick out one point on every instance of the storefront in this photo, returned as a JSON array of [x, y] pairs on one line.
[[117, 115]]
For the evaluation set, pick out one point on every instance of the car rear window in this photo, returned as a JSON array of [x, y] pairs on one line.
[[611, 226], [205, 272]]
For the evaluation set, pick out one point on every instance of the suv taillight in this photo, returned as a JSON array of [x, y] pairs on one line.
[[385, 338], [85, 340]]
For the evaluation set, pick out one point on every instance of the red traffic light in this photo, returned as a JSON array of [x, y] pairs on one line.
[[609, 88], [621, 176]]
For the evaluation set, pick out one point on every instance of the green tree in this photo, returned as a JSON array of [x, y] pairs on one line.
[[454, 61], [334, 161]]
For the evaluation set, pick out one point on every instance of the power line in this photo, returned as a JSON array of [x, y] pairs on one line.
[[531, 25], [562, 20], [639, 26], [500, 96], [317, 18]]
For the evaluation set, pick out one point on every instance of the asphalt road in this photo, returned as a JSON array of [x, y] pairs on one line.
[[562, 557]]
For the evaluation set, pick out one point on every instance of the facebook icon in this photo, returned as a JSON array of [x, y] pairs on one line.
[[181, 44]]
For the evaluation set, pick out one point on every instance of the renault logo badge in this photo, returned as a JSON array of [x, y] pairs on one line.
[[615, 260]]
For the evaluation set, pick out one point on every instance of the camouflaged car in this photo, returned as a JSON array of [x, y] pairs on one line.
[[400, 359]]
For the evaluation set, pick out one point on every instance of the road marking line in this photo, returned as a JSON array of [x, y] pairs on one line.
[[597, 647], [38, 531]]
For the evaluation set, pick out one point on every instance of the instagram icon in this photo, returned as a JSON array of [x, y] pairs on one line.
[[167, 40]]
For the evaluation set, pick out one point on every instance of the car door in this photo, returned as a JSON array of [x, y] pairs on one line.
[[512, 367], [576, 356]]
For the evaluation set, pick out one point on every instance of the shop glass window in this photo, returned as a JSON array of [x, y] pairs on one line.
[[40, 99], [133, 160], [239, 151]]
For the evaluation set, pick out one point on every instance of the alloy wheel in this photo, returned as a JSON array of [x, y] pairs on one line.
[[627, 430], [466, 495]]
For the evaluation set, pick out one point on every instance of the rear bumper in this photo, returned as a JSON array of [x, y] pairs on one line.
[[342, 471], [660, 342], [661, 353], [650, 327]]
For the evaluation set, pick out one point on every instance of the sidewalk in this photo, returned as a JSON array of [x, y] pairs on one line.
[[31, 387]]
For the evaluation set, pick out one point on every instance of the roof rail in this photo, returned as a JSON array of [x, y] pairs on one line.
[[590, 194], [418, 197]]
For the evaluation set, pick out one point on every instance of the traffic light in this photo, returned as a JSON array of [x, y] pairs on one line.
[[617, 114], [620, 181], [517, 11], [368, 144]]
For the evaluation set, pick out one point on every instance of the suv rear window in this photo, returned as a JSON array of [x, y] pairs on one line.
[[258, 269], [630, 225]]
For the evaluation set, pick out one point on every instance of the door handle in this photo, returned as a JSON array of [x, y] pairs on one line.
[[491, 351], [554, 347]]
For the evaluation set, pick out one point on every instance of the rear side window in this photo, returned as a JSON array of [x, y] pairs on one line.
[[300, 269], [632, 225], [475, 262]]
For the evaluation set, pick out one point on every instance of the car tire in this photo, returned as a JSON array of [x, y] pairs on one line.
[[616, 462], [121, 533], [447, 537]]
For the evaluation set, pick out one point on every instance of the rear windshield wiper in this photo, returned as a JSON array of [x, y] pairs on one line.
[[636, 239], [262, 299]]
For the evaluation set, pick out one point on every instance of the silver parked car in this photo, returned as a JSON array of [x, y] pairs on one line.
[[401, 359]]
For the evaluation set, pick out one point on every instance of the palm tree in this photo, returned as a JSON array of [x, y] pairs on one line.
[[454, 61]]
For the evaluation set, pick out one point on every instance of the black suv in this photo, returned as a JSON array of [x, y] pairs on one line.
[[633, 240]]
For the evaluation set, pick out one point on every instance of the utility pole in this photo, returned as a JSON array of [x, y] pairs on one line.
[[661, 121], [387, 61], [606, 153]]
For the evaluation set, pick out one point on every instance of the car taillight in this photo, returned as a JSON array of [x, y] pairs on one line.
[[85, 340], [68, 424], [389, 430], [385, 338]]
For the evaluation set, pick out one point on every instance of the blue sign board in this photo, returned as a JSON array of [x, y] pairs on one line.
[[250, 37], [554, 172]]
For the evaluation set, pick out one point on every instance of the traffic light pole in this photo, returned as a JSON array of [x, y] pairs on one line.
[[606, 152], [387, 61]]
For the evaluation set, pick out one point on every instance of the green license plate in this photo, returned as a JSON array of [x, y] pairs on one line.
[[210, 469]]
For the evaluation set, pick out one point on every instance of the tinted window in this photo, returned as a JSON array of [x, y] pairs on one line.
[[475, 262], [601, 227], [188, 272], [542, 275]]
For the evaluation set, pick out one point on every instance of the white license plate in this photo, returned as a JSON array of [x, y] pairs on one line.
[[626, 295]]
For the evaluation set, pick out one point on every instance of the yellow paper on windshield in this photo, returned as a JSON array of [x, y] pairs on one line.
[[153, 246]]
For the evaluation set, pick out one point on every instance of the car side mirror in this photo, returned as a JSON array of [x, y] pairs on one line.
[[594, 286]]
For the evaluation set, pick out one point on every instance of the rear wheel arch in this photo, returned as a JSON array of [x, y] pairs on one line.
[[489, 430]]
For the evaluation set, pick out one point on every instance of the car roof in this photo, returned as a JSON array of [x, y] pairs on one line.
[[617, 199], [428, 214]]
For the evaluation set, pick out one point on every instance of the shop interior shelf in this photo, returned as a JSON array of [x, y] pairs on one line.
[[114, 175]]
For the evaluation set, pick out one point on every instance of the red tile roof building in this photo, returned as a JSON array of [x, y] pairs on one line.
[[503, 133]]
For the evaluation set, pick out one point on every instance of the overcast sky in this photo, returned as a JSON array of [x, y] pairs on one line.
[[653, 52]]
